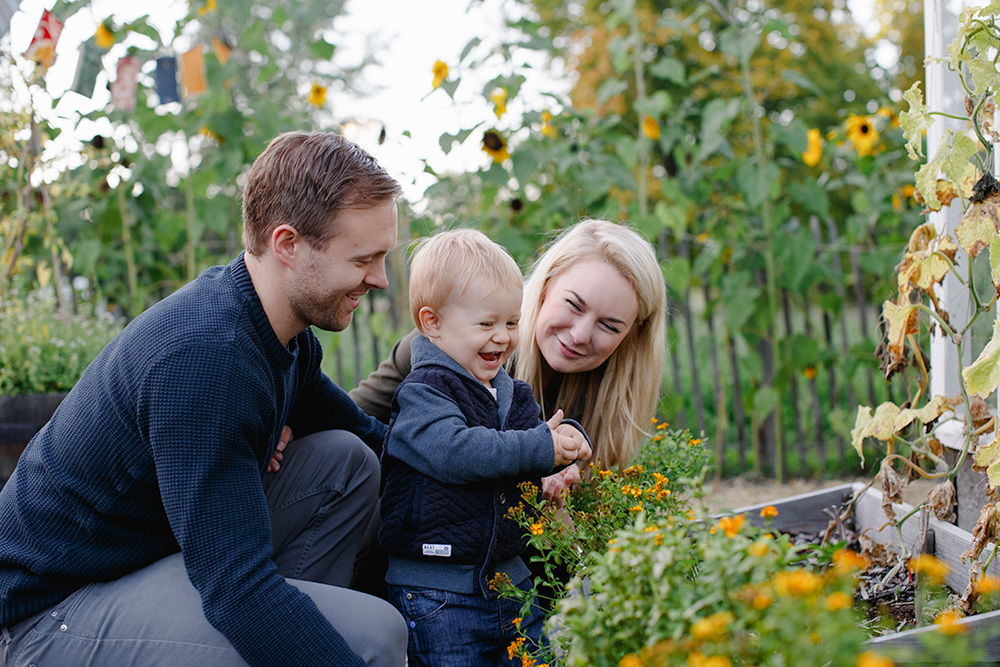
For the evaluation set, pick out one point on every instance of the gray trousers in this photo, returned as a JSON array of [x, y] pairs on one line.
[[321, 502]]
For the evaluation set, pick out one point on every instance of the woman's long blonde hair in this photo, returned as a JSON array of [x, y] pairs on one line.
[[615, 401]]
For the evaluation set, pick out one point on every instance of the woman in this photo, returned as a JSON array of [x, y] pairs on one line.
[[592, 340]]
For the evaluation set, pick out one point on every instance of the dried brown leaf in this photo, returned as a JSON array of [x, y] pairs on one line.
[[893, 484], [984, 531], [877, 553], [941, 501]]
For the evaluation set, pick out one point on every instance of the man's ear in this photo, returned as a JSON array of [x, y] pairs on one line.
[[429, 321], [285, 242]]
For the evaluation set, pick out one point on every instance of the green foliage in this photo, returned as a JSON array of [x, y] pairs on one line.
[[45, 351]]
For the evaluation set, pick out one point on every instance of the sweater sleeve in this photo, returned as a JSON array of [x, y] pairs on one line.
[[374, 393], [202, 419], [431, 434]]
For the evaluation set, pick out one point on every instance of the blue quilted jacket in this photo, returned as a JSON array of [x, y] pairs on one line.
[[452, 461]]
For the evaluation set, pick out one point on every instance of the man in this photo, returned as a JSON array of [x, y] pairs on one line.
[[142, 525]]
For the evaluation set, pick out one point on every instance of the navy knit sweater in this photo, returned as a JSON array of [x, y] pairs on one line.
[[160, 447]]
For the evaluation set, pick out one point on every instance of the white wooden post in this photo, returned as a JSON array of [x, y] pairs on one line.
[[945, 93]]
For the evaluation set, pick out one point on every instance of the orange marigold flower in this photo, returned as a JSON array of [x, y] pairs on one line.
[[630, 661], [713, 626], [810, 372], [636, 508], [948, 623], [872, 659], [528, 661], [769, 512], [514, 647], [797, 583], [988, 585], [759, 548], [846, 561], [657, 438], [662, 426], [695, 441], [838, 600], [731, 525], [934, 569], [537, 528]]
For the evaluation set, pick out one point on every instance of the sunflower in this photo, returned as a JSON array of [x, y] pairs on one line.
[[499, 99], [317, 95], [440, 72], [862, 134], [651, 128], [104, 37], [547, 128], [495, 145], [815, 150]]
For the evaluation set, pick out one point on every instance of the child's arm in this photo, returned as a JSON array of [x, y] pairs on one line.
[[431, 434]]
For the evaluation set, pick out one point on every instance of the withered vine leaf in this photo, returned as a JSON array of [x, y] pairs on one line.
[[893, 484], [978, 227], [941, 501], [900, 320], [880, 426], [983, 375], [931, 411], [984, 531], [987, 459]]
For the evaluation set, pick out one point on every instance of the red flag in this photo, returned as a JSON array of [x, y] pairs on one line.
[[42, 49]]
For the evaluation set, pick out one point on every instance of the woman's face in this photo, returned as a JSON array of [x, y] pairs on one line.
[[586, 312]]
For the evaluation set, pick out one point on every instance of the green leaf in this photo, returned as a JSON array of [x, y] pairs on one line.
[[756, 183], [795, 136], [670, 69], [609, 89], [765, 400], [915, 121], [983, 376], [467, 49], [740, 42], [677, 273], [322, 49], [800, 80]]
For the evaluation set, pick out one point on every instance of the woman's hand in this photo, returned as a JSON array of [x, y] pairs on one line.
[[286, 437]]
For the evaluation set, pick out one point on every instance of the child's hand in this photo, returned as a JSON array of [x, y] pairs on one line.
[[565, 449], [584, 453]]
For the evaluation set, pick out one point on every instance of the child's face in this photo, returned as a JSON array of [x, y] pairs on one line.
[[478, 330]]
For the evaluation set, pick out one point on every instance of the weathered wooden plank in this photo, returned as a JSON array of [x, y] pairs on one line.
[[949, 540], [982, 630], [801, 513]]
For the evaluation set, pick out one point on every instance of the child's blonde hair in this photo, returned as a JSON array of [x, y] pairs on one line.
[[615, 401], [444, 265]]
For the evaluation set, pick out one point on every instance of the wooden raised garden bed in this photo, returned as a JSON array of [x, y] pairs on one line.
[[811, 513]]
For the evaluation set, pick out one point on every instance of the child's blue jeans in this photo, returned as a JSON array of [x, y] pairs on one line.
[[457, 630]]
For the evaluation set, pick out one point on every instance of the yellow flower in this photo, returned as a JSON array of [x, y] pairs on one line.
[[657, 438], [846, 561], [815, 150], [713, 626], [440, 71], [653, 420], [762, 600], [317, 95], [651, 128], [636, 508], [650, 529], [769, 512], [499, 99], [948, 623], [537, 528], [528, 661], [550, 131], [872, 659], [810, 372], [660, 427], [630, 661], [935, 570], [105, 39], [517, 622], [862, 134], [209, 6], [495, 145], [731, 525], [838, 600], [988, 585], [797, 583], [759, 548]]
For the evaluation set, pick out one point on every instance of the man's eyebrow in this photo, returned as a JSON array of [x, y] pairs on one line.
[[583, 303]]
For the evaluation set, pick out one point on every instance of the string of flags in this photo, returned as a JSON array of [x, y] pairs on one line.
[[191, 65]]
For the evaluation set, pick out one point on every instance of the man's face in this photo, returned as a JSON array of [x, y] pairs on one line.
[[331, 282]]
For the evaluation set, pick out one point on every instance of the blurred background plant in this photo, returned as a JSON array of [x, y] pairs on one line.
[[755, 144]]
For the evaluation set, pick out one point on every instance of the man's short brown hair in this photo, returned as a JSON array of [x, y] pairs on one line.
[[305, 179]]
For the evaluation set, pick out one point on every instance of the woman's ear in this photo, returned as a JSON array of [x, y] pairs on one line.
[[429, 321]]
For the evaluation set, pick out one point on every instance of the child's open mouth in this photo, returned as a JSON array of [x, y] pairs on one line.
[[490, 357]]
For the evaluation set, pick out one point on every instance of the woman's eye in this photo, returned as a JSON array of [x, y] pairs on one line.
[[610, 327], [574, 305]]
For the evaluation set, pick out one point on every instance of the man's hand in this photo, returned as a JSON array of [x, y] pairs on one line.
[[286, 437]]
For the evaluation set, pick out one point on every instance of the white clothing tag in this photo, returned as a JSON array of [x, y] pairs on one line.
[[437, 550]]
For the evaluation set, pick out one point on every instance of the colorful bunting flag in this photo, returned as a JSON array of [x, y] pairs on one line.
[[166, 79], [222, 46], [87, 68], [124, 87], [193, 72], [42, 48]]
